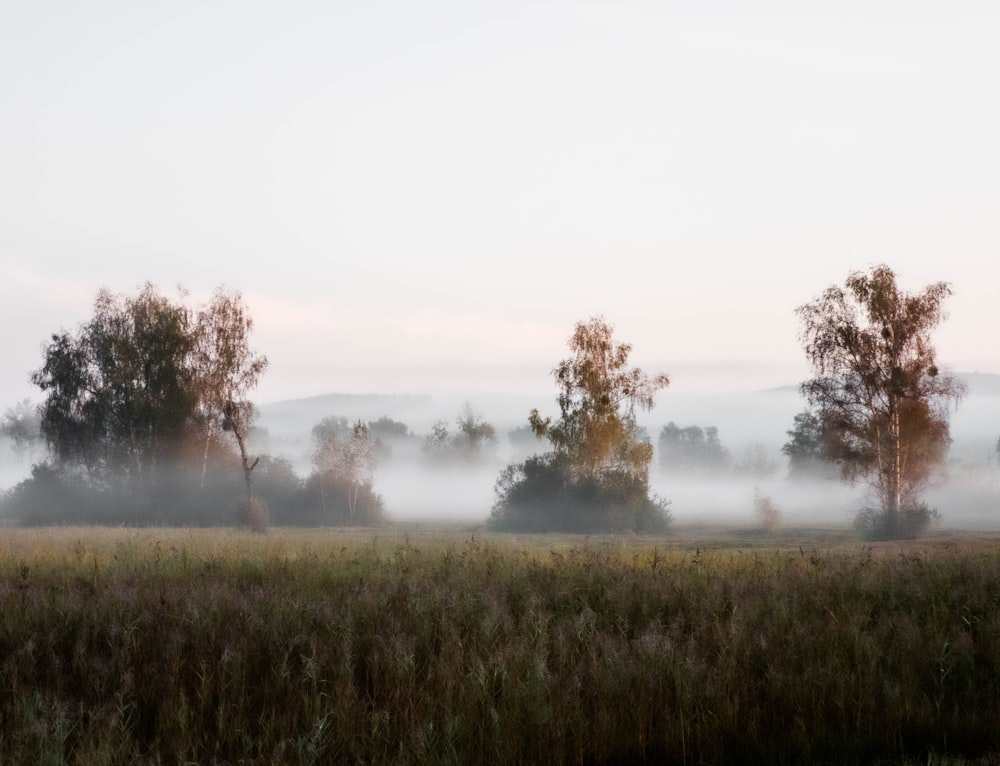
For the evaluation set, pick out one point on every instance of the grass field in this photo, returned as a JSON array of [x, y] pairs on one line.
[[421, 645]]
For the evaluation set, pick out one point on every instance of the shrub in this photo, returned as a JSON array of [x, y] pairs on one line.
[[768, 515], [911, 521], [543, 495]]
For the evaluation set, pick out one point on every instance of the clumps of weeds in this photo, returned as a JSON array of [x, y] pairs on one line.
[[767, 512], [251, 513], [335, 647]]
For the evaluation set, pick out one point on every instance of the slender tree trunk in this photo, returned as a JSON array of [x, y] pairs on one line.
[[204, 457], [897, 464], [247, 465]]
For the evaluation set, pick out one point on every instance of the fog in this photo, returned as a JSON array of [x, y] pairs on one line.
[[414, 487], [967, 496]]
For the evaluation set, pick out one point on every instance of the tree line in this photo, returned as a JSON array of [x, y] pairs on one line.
[[149, 386]]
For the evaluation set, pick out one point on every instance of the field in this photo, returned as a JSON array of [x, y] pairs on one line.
[[422, 646]]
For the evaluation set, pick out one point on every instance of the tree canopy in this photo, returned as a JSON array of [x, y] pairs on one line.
[[598, 398], [692, 448], [120, 394], [143, 379], [877, 386], [597, 475]]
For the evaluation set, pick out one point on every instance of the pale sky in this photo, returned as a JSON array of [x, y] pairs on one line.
[[425, 196]]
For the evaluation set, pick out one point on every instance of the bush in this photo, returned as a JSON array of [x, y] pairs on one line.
[[911, 521], [330, 500], [768, 515], [178, 497], [542, 495]]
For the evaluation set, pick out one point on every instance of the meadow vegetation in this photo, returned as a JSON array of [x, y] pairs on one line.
[[208, 646]]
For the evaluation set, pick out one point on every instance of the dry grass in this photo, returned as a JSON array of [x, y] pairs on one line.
[[121, 646]]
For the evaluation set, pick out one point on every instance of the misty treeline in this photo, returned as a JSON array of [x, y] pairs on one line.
[[147, 417]]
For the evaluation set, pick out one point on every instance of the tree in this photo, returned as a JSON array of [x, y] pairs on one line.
[[143, 383], [692, 448], [344, 465], [877, 385], [226, 370], [388, 429], [474, 432], [437, 444], [597, 475], [756, 462], [22, 425], [598, 398], [808, 449], [119, 393], [468, 444], [386, 432]]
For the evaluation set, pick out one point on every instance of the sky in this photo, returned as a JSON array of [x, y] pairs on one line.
[[425, 197]]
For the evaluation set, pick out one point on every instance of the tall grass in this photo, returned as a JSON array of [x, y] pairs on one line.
[[219, 647]]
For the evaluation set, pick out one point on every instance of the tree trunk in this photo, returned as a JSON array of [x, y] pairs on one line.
[[247, 465], [204, 457]]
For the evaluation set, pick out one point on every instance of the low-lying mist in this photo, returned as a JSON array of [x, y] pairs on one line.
[[750, 427]]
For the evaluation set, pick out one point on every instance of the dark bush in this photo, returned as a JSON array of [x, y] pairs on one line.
[[178, 497], [911, 521], [542, 495]]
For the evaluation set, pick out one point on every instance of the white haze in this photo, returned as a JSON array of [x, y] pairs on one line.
[[968, 496], [415, 489]]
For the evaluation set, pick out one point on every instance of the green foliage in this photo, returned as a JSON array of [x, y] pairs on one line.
[[808, 447], [912, 521], [388, 429], [386, 432], [208, 647], [120, 395], [683, 450], [474, 433], [51, 497], [877, 388], [472, 443], [22, 424], [54, 495], [543, 494], [142, 391]]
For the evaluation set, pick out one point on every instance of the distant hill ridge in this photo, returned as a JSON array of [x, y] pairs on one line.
[[346, 405], [979, 383], [359, 405]]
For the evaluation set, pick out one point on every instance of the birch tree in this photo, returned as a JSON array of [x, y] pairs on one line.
[[226, 371], [596, 478], [599, 395], [345, 464], [877, 384]]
